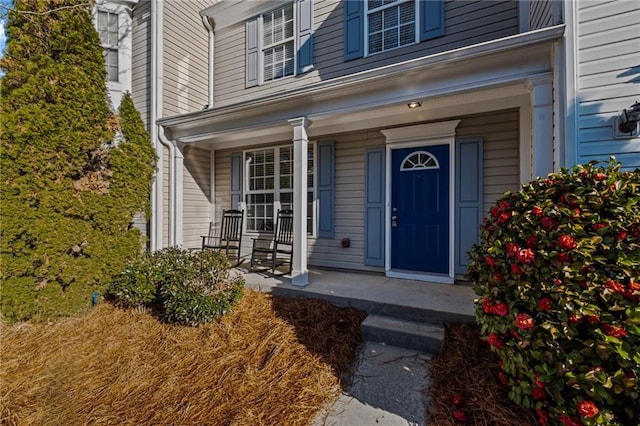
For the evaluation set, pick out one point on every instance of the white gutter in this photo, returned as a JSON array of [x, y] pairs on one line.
[[157, 135], [209, 25]]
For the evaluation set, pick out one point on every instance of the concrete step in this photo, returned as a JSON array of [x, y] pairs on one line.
[[436, 316], [413, 335]]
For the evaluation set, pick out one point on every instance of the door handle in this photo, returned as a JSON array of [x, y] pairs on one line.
[[394, 221]]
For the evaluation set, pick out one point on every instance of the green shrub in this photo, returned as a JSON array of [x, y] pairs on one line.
[[558, 275], [189, 288]]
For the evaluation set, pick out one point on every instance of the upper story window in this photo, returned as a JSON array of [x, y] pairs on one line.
[[108, 30], [390, 24], [375, 26], [279, 43]]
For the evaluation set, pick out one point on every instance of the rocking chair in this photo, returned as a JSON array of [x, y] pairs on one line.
[[279, 249], [230, 237]]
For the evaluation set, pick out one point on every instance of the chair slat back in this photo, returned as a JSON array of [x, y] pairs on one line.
[[231, 227], [284, 227]]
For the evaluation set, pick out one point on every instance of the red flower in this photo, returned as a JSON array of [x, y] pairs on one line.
[[564, 257], [504, 217], [516, 269], [547, 222], [495, 211], [543, 417], [501, 309], [566, 242], [487, 306], [545, 304], [495, 340], [498, 277], [490, 261], [504, 205], [526, 256], [536, 211], [557, 281], [599, 176], [575, 318], [622, 235], [634, 286], [524, 321], [593, 319], [599, 225], [537, 382], [531, 241], [587, 409], [576, 212], [460, 416], [614, 286], [503, 378], [512, 249], [570, 421], [614, 331], [539, 394], [457, 400]]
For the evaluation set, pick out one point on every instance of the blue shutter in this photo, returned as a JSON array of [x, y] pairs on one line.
[[374, 207], [431, 14], [326, 209], [305, 36], [236, 180], [469, 177], [252, 60], [353, 29]]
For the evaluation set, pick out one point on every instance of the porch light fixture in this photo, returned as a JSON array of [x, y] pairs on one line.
[[629, 118], [414, 104]]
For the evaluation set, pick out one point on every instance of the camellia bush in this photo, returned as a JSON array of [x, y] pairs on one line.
[[558, 275], [187, 288]]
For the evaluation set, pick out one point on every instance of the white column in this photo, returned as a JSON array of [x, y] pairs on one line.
[[179, 194], [541, 89], [299, 272]]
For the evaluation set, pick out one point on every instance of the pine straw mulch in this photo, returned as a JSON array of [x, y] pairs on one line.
[[466, 367], [272, 361]]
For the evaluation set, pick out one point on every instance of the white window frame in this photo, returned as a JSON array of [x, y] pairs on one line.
[[416, 15], [108, 46], [276, 190], [262, 47]]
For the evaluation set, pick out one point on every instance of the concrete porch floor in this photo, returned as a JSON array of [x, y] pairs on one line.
[[373, 293]]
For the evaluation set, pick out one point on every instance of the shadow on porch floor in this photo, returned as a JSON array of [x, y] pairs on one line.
[[375, 294]]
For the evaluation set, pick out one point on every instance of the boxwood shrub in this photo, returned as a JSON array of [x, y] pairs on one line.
[[188, 288], [558, 275]]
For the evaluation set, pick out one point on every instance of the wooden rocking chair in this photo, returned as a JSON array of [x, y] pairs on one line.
[[230, 237], [279, 249]]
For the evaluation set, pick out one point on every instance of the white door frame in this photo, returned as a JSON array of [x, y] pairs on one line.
[[442, 133]]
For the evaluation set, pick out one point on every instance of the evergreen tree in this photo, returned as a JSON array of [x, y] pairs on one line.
[[66, 199]]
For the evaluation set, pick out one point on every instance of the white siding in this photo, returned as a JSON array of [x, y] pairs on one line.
[[196, 192], [466, 22], [608, 56]]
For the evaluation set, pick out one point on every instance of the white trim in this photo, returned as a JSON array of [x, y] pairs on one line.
[[442, 133], [541, 89], [299, 270], [525, 143], [570, 112], [212, 186]]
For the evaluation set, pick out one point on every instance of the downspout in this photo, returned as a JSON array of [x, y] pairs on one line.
[[209, 25], [156, 134]]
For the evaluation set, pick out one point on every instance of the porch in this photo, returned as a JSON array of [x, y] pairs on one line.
[[400, 312]]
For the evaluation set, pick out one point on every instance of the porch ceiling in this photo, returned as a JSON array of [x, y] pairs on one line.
[[463, 81]]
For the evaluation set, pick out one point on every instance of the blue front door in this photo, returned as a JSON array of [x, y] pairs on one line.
[[420, 209]]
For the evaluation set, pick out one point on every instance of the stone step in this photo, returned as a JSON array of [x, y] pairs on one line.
[[413, 335]]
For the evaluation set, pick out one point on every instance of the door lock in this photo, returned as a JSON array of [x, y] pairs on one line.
[[394, 221]]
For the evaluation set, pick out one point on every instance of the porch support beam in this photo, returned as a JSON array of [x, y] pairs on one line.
[[299, 271], [540, 88]]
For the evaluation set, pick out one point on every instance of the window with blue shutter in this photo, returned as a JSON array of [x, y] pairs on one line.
[[389, 25], [279, 43]]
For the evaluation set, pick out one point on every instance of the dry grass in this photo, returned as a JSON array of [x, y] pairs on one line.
[[466, 367], [270, 362]]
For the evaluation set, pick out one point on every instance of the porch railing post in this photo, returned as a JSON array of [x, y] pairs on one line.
[[299, 271]]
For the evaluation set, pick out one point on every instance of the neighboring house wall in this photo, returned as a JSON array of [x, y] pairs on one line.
[[185, 51], [608, 78], [466, 23], [141, 62], [541, 14], [499, 130]]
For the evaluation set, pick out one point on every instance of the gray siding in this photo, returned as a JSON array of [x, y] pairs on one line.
[[608, 74], [500, 131], [141, 60], [467, 23], [540, 14], [185, 56], [196, 192]]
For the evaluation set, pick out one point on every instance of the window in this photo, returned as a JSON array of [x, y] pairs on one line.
[[278, 57], [391, 24], [270, 186], [419, 160], [108, 31], [279, 43]]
